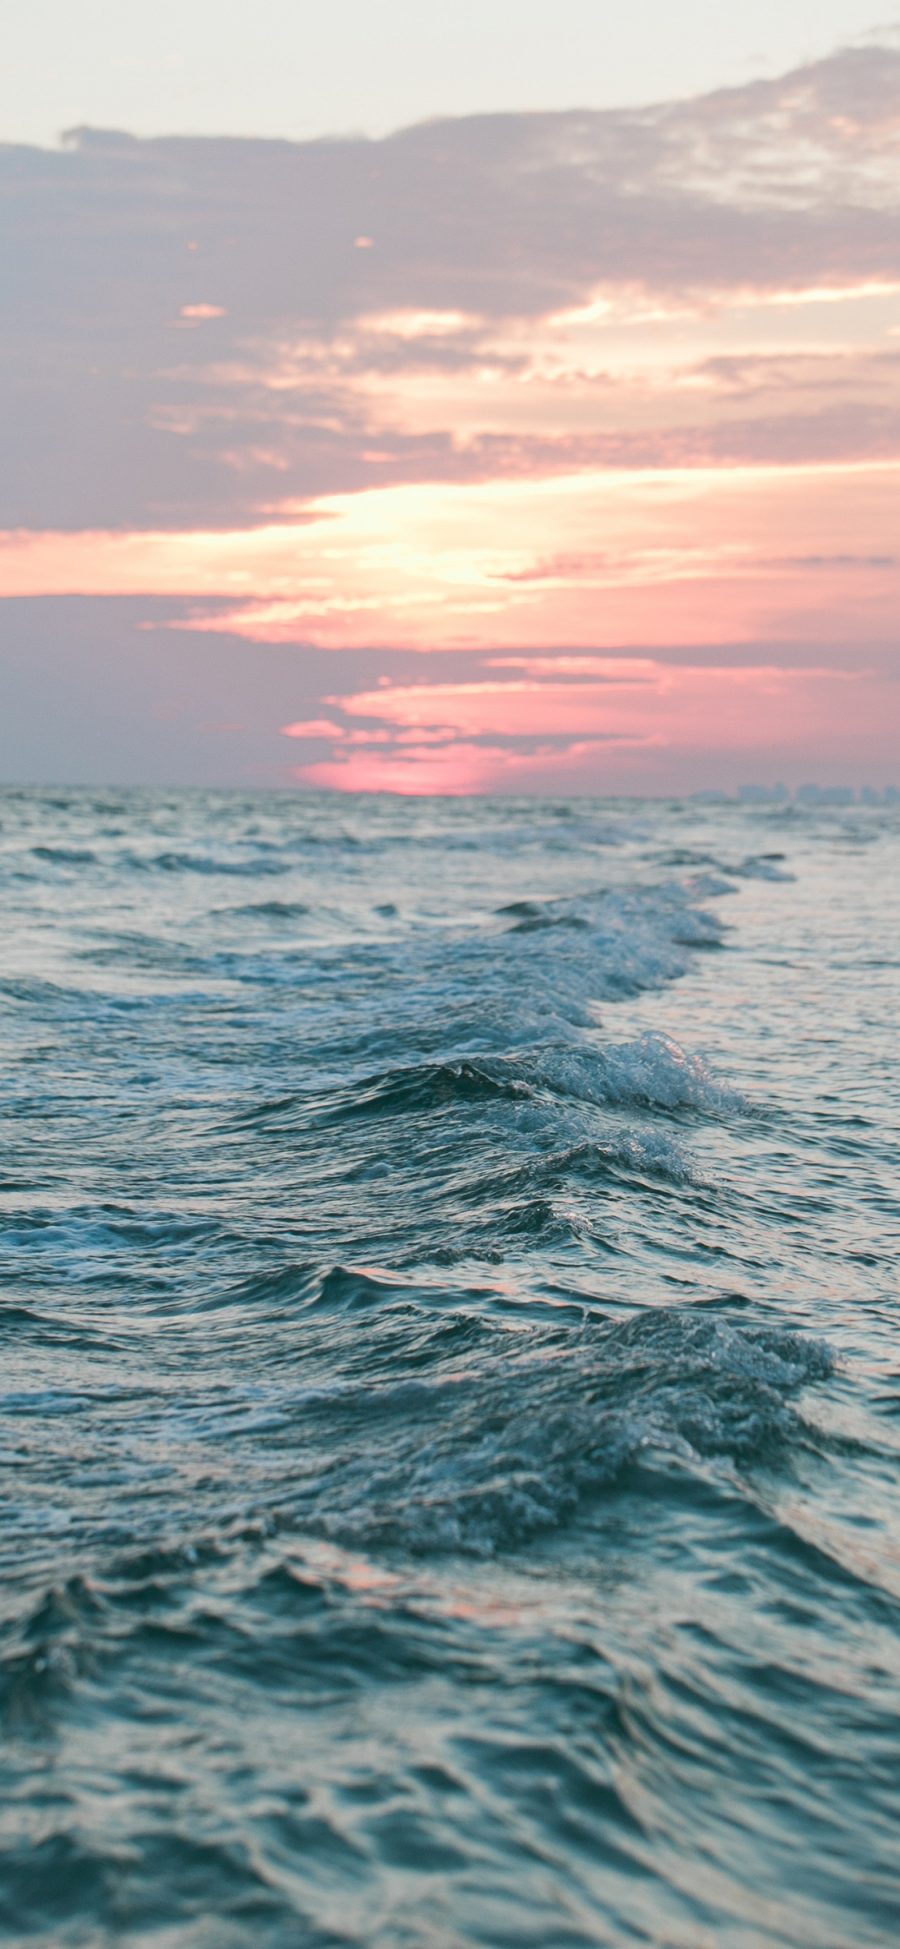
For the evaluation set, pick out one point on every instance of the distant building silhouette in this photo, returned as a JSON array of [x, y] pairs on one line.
[[763, 794]]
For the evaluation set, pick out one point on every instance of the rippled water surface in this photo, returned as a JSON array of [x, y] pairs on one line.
[[450, 1405]]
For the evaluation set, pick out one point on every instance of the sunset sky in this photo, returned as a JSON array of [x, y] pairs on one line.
[[547, 443]]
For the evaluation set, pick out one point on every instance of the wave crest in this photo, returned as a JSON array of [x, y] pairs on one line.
[[516, 1444]]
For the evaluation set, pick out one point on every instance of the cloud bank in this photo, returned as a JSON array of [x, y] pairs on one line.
[[612, 383]]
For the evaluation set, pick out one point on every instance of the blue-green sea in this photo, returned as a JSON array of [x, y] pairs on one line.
[[450, 1421]]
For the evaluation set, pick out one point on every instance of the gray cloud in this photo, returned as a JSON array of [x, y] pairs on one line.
[[119, 412]]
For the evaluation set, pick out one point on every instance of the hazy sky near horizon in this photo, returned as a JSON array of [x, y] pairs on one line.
[[556, 447]]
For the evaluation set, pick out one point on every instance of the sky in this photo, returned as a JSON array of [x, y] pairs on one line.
[[408, 404], [284, 68]]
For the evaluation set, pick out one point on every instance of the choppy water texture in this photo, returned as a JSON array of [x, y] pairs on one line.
[[450, 1375]]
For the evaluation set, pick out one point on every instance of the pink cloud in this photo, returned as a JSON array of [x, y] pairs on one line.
[[605, 718], [198, 313], [670, 702], [453, 770], [313, 727]]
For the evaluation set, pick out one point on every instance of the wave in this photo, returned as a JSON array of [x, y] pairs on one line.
[[269, 910], [65, 855], [517, 1440], [754, 866], [653, 1071], [762, 866], [206, 864], [434, 1086], [532, 916], [45, 1652]]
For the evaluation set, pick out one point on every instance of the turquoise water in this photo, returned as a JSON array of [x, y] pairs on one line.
[[450, 1402]]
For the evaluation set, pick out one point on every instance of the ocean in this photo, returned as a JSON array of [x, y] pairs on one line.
[[451, 1388]]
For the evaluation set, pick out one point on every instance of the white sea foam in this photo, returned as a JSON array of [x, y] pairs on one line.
[[654, 1070]]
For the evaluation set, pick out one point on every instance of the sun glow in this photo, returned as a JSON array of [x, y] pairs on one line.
[[646, 556]]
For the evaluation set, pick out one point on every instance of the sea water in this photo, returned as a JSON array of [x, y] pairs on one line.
[[451, 1380]]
